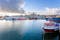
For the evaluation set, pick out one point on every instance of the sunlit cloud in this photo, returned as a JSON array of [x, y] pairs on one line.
[[53, 11], [50, 11]]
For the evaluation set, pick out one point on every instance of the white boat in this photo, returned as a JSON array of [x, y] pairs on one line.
[[50, 27], [14, 18]]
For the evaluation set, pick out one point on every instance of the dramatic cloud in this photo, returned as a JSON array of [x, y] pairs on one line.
[[11, 5]]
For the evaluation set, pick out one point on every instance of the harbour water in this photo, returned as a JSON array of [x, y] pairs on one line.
[[24, 30]]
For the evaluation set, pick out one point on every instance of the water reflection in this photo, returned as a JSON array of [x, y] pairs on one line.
[[22, 30], [51, 36]]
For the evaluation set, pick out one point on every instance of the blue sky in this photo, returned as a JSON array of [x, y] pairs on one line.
[[41, 4], [30, 5]]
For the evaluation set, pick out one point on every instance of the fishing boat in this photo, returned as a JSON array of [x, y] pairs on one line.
[[51, 26]]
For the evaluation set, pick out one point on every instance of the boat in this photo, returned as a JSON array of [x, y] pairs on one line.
[[14, 18], [21, 18], [9, 18], [57, 20], [1, 17], [51, 27]]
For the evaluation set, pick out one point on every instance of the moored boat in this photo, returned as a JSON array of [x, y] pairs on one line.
[[51, 27], [22, 18]]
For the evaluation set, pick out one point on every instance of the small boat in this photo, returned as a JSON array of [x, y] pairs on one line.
[[33, 18], [14, 18], [51, 27], [1, 17], [22, 18], [57, 20]]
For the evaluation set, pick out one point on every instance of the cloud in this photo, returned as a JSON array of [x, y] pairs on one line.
[[53, 11], [21, 4], [11, 5], [50, 11]]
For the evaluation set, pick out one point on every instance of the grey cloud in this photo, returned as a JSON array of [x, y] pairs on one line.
[[11, 5]]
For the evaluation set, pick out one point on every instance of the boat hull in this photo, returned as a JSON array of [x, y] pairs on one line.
[[50, 30]]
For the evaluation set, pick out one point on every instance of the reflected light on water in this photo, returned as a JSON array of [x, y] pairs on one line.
[[23, 25], [24, 29], [5, 25]]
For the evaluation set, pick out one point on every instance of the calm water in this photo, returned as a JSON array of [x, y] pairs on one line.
[[24, 30]]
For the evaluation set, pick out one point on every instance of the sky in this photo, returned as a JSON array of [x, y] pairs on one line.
[[11, 5], [29, 5], [41, 4]]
